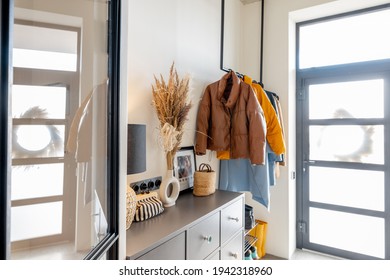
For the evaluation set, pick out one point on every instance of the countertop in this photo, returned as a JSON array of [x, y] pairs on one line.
[[188, 210]]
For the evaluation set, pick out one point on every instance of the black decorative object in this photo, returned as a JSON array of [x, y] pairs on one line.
[[136, 148]]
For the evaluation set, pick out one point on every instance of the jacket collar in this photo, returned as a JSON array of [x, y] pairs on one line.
[[234, 92]]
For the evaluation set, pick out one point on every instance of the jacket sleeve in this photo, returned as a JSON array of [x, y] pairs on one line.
[[274, 130], [202, 123], [257, 130]]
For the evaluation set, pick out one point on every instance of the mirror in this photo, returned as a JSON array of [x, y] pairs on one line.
[[241, 37], [63, 177]]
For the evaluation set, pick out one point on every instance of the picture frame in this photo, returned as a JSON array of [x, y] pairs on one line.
[[184, 167]]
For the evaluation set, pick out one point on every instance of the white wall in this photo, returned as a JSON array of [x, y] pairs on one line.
[[188, 32], [242, 37]]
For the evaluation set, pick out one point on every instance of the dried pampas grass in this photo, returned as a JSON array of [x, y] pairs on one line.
[[172, 105]]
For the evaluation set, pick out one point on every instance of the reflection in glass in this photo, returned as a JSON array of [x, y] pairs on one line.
[[350, 143], [36, 220], [348, 187], [351, 232], [60, 63], [44, 60], [357, 99], [37, 141], [48, 102], [27, 180], [56, 48]]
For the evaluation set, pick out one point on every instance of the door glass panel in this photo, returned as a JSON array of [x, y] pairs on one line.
[[351, 232], [27, 180], [56, 48], [38, 141], [345, 40], [357, 99], [44, 60], [36, 220], [350, 143], [347, 187], [38, 102]]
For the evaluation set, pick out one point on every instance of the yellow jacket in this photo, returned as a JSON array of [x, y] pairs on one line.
[[274, 134]]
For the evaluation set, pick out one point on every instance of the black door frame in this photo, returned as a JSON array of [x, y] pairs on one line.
[[6, 17]]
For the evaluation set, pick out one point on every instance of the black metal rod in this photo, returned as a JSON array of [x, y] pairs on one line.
[[261, 39], [261, 42], [222, 36]]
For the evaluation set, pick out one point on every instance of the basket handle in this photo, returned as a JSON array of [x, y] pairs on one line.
[[205, 167]]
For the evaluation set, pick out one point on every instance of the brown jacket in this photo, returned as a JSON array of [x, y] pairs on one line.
[[230, 119]]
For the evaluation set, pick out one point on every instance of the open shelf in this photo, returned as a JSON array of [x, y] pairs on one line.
[[249, 239]]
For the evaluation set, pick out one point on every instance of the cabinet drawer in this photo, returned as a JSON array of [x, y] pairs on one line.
[[214, 256], [231, 220], [233, 250], [203, 238], [173, 249]]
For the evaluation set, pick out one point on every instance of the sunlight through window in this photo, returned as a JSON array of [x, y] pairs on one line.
[[346, 40]]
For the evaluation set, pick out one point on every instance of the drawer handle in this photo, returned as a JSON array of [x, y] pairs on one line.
[[207, 238], [234, 255], [235, 219]]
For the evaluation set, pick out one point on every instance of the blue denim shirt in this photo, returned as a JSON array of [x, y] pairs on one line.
[[240, 175]]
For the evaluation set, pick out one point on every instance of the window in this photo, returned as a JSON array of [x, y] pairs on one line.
[[355, 38]]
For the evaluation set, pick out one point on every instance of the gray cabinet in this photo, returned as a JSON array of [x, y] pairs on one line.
[[203, 238], [173, 249], [233, 250], [194, 228], [232, 220]]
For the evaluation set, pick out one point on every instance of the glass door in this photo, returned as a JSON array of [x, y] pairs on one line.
[[343, 116], [62, 178], [344, 169]]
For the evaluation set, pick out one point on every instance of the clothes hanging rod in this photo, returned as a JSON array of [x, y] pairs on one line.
[[222, 36], [241, 76], [261, 41]]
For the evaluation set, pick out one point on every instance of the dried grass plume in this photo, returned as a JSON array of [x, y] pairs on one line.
[[172, 105]]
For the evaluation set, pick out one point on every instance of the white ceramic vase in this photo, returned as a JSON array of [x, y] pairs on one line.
[[169, 189]]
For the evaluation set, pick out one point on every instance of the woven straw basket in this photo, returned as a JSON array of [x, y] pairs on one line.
[[131, 204], [204, 180]]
